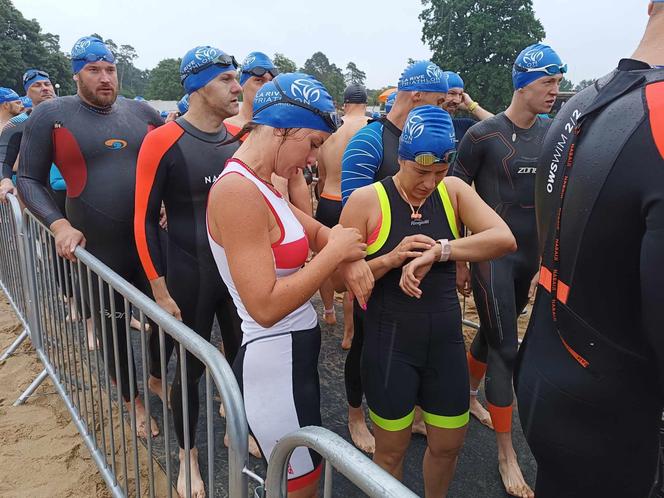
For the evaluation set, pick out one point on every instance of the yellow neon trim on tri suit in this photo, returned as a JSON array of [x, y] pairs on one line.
[[392, 425], [386, 224], [443, 422], [449, 209]]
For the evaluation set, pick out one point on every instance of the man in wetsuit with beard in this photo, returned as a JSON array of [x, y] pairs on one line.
[[94, 138], [590, 375], [499, 155]]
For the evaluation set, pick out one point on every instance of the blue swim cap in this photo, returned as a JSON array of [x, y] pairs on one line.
[[390, 101], [535, 62], [140, 99], [423, 76], [26, 101], [454, 80], [202, 64], [89, 49], [428, 135], [295, 100], [8, 95], [32, 76], [163, 114], [257, 62], [183, 104]]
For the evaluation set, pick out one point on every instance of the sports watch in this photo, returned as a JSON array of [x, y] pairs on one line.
[[446, 250]]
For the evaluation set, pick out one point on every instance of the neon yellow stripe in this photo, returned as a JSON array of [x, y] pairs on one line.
[[386, 224], [449, 209], [443, 422], [392, 425]]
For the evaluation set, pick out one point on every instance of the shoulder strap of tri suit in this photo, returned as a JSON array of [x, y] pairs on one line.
[[449, 209], [386, 223]]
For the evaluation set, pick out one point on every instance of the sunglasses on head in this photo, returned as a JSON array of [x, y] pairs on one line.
[[223, 60], [330, 118], [427, 158], [261, 71], [31, 75], [551, 69]]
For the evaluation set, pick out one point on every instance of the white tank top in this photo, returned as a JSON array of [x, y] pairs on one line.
[[290, 253]]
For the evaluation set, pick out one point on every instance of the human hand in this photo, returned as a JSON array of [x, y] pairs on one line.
[[359, 280], [413, 273], [411, 246], [463, 278], [67, 238], [346, 243]]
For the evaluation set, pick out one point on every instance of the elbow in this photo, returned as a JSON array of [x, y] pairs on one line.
[[264, 317], [508, 242]]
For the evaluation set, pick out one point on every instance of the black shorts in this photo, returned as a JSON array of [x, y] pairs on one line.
[[328, 211]]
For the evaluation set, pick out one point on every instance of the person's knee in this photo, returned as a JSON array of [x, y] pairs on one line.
[[390, 458], [444, 451]]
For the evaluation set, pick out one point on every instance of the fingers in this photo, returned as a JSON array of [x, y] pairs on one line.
[[409, 283]]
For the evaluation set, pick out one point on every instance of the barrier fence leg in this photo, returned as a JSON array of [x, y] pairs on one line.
[[327, 488], [28, 392], [14, 346]]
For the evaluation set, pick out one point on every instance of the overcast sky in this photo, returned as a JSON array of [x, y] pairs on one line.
[[590, 35]]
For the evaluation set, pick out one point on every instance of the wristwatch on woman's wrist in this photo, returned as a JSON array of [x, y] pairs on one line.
[[446, 250]]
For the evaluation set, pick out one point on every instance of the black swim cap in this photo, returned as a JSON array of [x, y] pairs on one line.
[[355, 94]]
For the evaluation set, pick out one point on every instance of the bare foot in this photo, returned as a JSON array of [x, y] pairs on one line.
[[141, 429], [253, 446], [72, 316], [359, 432], [479, 412], [330, 317], [222, 412], [155, 386], [197, 485], [513, 480], [348, 339], [135, 324], [419, 427]]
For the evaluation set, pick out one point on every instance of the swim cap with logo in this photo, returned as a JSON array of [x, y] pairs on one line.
[[423, 76], [428, 134], [390, 101], [295, 100], [89, 49], [202, 64], [254, 61], [535, 62], [454, 80], [183, 104], [355, 94], [27, 102], [8, 95]]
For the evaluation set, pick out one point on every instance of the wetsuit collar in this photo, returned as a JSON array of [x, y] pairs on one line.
[[214, 137], [632, 65], [98, 110]]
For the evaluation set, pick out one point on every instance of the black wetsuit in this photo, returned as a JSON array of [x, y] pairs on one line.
[[413, 349], [501, 160], [177, 165], [461, 127], [96, 152], [590, 375], [370, 156], [10, 143]]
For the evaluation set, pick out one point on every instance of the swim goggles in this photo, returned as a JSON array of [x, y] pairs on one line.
[[427, 158], [224, 60], [260, 71], [330, 118], [91, 57], [551, 69], [32, 74]]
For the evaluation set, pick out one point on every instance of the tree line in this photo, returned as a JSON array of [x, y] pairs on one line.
[[478, 39]]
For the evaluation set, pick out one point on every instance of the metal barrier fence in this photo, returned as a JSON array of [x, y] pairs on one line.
[[338, 454], [78, 315]]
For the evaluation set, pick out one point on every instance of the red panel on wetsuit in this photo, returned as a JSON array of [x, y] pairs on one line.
[[234, 130], [71, 163], [305, 480], [655, 99]]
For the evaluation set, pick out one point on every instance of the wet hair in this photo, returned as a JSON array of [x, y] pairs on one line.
[[284, 133]]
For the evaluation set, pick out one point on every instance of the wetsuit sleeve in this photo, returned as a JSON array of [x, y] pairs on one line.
[[152, 169], [36, 159], [10, 142], [361, 159], [469, 158]]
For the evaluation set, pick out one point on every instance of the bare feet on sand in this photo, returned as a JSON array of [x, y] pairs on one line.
[[479, 412], [92, 340], [359, 432], [155, 386], [419, 427], [348, 337], [513, 480], [141, 422], [197, 485], [330, 317]]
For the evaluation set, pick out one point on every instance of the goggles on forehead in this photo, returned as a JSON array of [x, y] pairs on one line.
[[91, 57], [330, 118], [223, 60], [261, 71], [551, 69], [427, 158], [34, 73]]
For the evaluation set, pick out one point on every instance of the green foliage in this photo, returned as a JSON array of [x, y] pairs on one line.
[[319, 66], [23, 46], [284, 64], [583, 84], [372, 96], [480, 40], [164, 83], [566, 85], [354, 74]]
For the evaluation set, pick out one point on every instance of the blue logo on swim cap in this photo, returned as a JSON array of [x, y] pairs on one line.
[[530, 60], [423, 76], [202, 64], [413, 128], [428, 131]]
